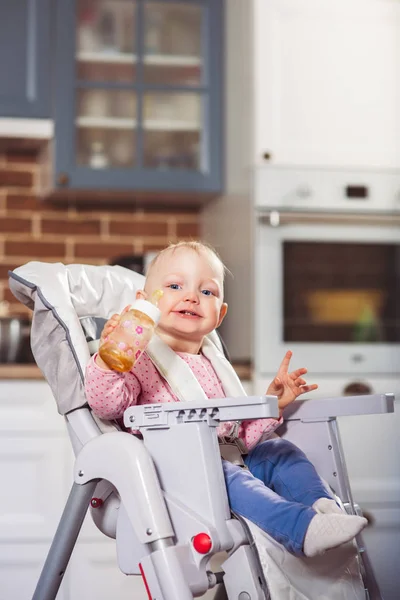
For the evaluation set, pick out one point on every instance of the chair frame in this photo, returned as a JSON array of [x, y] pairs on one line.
[[155, 539]]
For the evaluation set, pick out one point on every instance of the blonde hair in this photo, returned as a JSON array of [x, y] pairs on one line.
[[196, 246]]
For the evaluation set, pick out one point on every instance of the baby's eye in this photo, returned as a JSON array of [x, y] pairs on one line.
[[207, 292], [174, 286]]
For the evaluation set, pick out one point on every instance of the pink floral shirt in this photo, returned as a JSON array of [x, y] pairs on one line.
[[110, 393]]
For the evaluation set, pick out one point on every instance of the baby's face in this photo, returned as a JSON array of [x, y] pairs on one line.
[[192, 284]]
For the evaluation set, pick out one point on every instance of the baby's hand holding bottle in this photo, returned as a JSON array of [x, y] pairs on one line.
[[126, 336], [108, 328], [112, 323]]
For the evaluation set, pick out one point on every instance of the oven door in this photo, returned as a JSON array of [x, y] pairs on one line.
[[330, 292]]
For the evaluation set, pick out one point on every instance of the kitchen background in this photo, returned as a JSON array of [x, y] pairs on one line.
[[36, 229], [269, 128]]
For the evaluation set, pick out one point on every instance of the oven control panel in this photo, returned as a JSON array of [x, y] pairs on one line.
[[336, 190]]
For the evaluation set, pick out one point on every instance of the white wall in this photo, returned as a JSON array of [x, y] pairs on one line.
[[227, 221]]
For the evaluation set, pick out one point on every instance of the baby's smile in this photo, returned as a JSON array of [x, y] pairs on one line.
[[187, 313]]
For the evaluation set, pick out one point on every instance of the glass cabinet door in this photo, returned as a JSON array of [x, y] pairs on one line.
[[106, 40], [142, 90], [106, 128], [106, 103], [172, 130], [172, 44], [172, 58]]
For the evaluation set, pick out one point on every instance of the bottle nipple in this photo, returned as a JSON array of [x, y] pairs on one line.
[[155, 297]]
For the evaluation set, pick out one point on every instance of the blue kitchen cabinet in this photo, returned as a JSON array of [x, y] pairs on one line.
[[25, 34], [138, 91]]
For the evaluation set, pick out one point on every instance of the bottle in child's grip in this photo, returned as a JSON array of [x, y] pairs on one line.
[[121, 348]]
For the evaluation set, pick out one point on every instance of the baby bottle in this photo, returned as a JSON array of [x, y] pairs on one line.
[[123, 346]]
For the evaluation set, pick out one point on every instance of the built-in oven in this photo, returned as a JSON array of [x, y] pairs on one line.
[[327, 279]]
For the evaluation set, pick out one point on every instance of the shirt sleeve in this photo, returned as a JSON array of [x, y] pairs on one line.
[[250, 432], [225, 429], [110, 393]]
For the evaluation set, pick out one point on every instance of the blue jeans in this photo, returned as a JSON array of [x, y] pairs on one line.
[[277, 491]]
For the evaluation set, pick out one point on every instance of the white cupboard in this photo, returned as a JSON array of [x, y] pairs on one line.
[[327, 82], [36, 475]]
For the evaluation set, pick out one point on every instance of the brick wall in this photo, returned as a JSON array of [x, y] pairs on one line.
[[35, 229]]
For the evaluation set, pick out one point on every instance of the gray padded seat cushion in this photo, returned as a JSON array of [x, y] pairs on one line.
[[63, 299]]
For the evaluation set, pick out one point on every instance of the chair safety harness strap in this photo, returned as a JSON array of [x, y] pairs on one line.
[[185, 386]]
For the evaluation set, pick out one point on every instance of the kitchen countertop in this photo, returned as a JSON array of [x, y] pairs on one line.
[[12, 371]]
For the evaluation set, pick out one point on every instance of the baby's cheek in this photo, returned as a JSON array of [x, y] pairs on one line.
[[161, 322]]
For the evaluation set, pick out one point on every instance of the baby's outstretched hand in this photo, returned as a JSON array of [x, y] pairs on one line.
[[289, 386]]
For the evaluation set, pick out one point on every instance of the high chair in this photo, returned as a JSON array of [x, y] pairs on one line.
[[163, 497]]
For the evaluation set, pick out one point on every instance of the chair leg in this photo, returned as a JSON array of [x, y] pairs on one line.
[[163, 572], [367, 571], [372, 590], [64, 541]]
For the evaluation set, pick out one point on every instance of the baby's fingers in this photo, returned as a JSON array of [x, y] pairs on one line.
[[298, 373], [113, 322], [107, 329], [110, 325], [305, 389]]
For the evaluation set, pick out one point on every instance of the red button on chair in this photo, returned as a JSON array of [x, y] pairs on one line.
[[202, 543], [96, 502]]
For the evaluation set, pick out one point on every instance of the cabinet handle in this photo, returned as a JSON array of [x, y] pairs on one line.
[[267, 155], [63, 179]]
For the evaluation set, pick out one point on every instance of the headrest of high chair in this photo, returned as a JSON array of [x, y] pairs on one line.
[[63, 297]]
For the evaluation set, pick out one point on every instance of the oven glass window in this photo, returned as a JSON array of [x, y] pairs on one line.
[[341, 292]]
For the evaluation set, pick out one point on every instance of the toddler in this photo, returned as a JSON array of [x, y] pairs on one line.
[[280, 490]]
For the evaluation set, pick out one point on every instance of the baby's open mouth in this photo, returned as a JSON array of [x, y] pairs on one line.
[[189, 313]]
